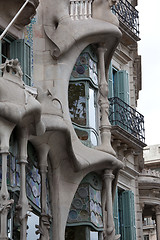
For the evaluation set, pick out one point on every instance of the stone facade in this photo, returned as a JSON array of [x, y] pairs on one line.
[[149, 191], [76, 189]]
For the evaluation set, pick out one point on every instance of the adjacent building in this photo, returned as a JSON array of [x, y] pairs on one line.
[[149, 181], [71, 140]]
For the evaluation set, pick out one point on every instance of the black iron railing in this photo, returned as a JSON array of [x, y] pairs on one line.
[[126, 117], [128, 15]]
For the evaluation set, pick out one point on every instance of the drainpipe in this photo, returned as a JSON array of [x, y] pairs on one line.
[[13, 20]]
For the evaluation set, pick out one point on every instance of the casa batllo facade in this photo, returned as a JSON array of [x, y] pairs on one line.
[[71, 140]]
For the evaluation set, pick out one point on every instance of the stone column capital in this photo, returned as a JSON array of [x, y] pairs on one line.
[[102, 48], [108, 174]]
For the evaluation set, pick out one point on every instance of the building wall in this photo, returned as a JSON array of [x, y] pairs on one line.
[[56, 39]]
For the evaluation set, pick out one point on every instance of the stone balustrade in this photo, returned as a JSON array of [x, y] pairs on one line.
[[80, 9], [152, 173]]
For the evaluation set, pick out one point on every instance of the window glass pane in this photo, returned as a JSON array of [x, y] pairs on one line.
[[146, 237], [94, 139], [32, 221], [5, 50], [77, 103], [93, 71], [93, 235], [92, 111]]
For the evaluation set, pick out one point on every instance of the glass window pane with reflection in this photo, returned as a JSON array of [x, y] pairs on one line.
[[94, 138], [93, 235], [77, 103], [92, 110], [33, 220]]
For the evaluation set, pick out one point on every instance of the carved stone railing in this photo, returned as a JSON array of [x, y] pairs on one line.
[[80, 9], [149, 179], [126, 117], [151, 173], [128, 15]]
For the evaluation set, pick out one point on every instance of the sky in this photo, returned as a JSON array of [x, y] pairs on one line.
[[149, 49]]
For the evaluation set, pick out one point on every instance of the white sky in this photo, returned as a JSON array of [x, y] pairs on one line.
[[149, 49]]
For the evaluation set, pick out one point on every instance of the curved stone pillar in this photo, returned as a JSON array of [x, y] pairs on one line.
[[23, 207], [18, 109], [157, 211], [109, 231]]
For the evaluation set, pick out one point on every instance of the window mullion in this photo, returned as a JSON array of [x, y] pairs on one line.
[[87, 102]]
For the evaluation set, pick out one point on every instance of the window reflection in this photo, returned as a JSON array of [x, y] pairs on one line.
[[94, 138], [83, 90], [32, 221], [93, 235], [92, 110], [77, 103]]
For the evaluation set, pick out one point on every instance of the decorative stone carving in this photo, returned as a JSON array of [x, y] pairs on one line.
[[12, 67], [43, 228], [21, 109], [105, 126], [112, 2], [49, 104], [17, 104], [102, 11], [23, 207]]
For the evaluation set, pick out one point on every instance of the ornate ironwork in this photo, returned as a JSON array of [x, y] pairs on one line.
[[128, 15], [126, 117]]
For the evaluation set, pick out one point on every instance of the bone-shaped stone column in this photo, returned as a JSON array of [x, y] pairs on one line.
[[6, 129], [109, 232], [105, 126], [23, 205], [44, 226]]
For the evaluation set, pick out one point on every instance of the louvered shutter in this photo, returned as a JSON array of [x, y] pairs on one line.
[[110, 82], [121, 86], [128, 211], [20, 49], [115, 212]]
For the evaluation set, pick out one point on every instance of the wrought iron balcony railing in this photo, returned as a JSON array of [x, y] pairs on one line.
[[128, 15], [126, 117]]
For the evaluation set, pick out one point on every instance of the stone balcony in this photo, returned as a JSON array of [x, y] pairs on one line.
[[7, 14], [127, 119], [149, 179], [128, 17]]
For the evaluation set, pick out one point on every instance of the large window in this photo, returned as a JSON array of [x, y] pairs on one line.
[[83, 97]]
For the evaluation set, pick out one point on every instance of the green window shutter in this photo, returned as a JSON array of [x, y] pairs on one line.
[[110, 82], [115, 213], [121, 86], [128, 211], [20, 49]]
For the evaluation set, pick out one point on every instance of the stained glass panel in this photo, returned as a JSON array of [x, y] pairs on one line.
[[33, 179], [86, 207], [13, 173]]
